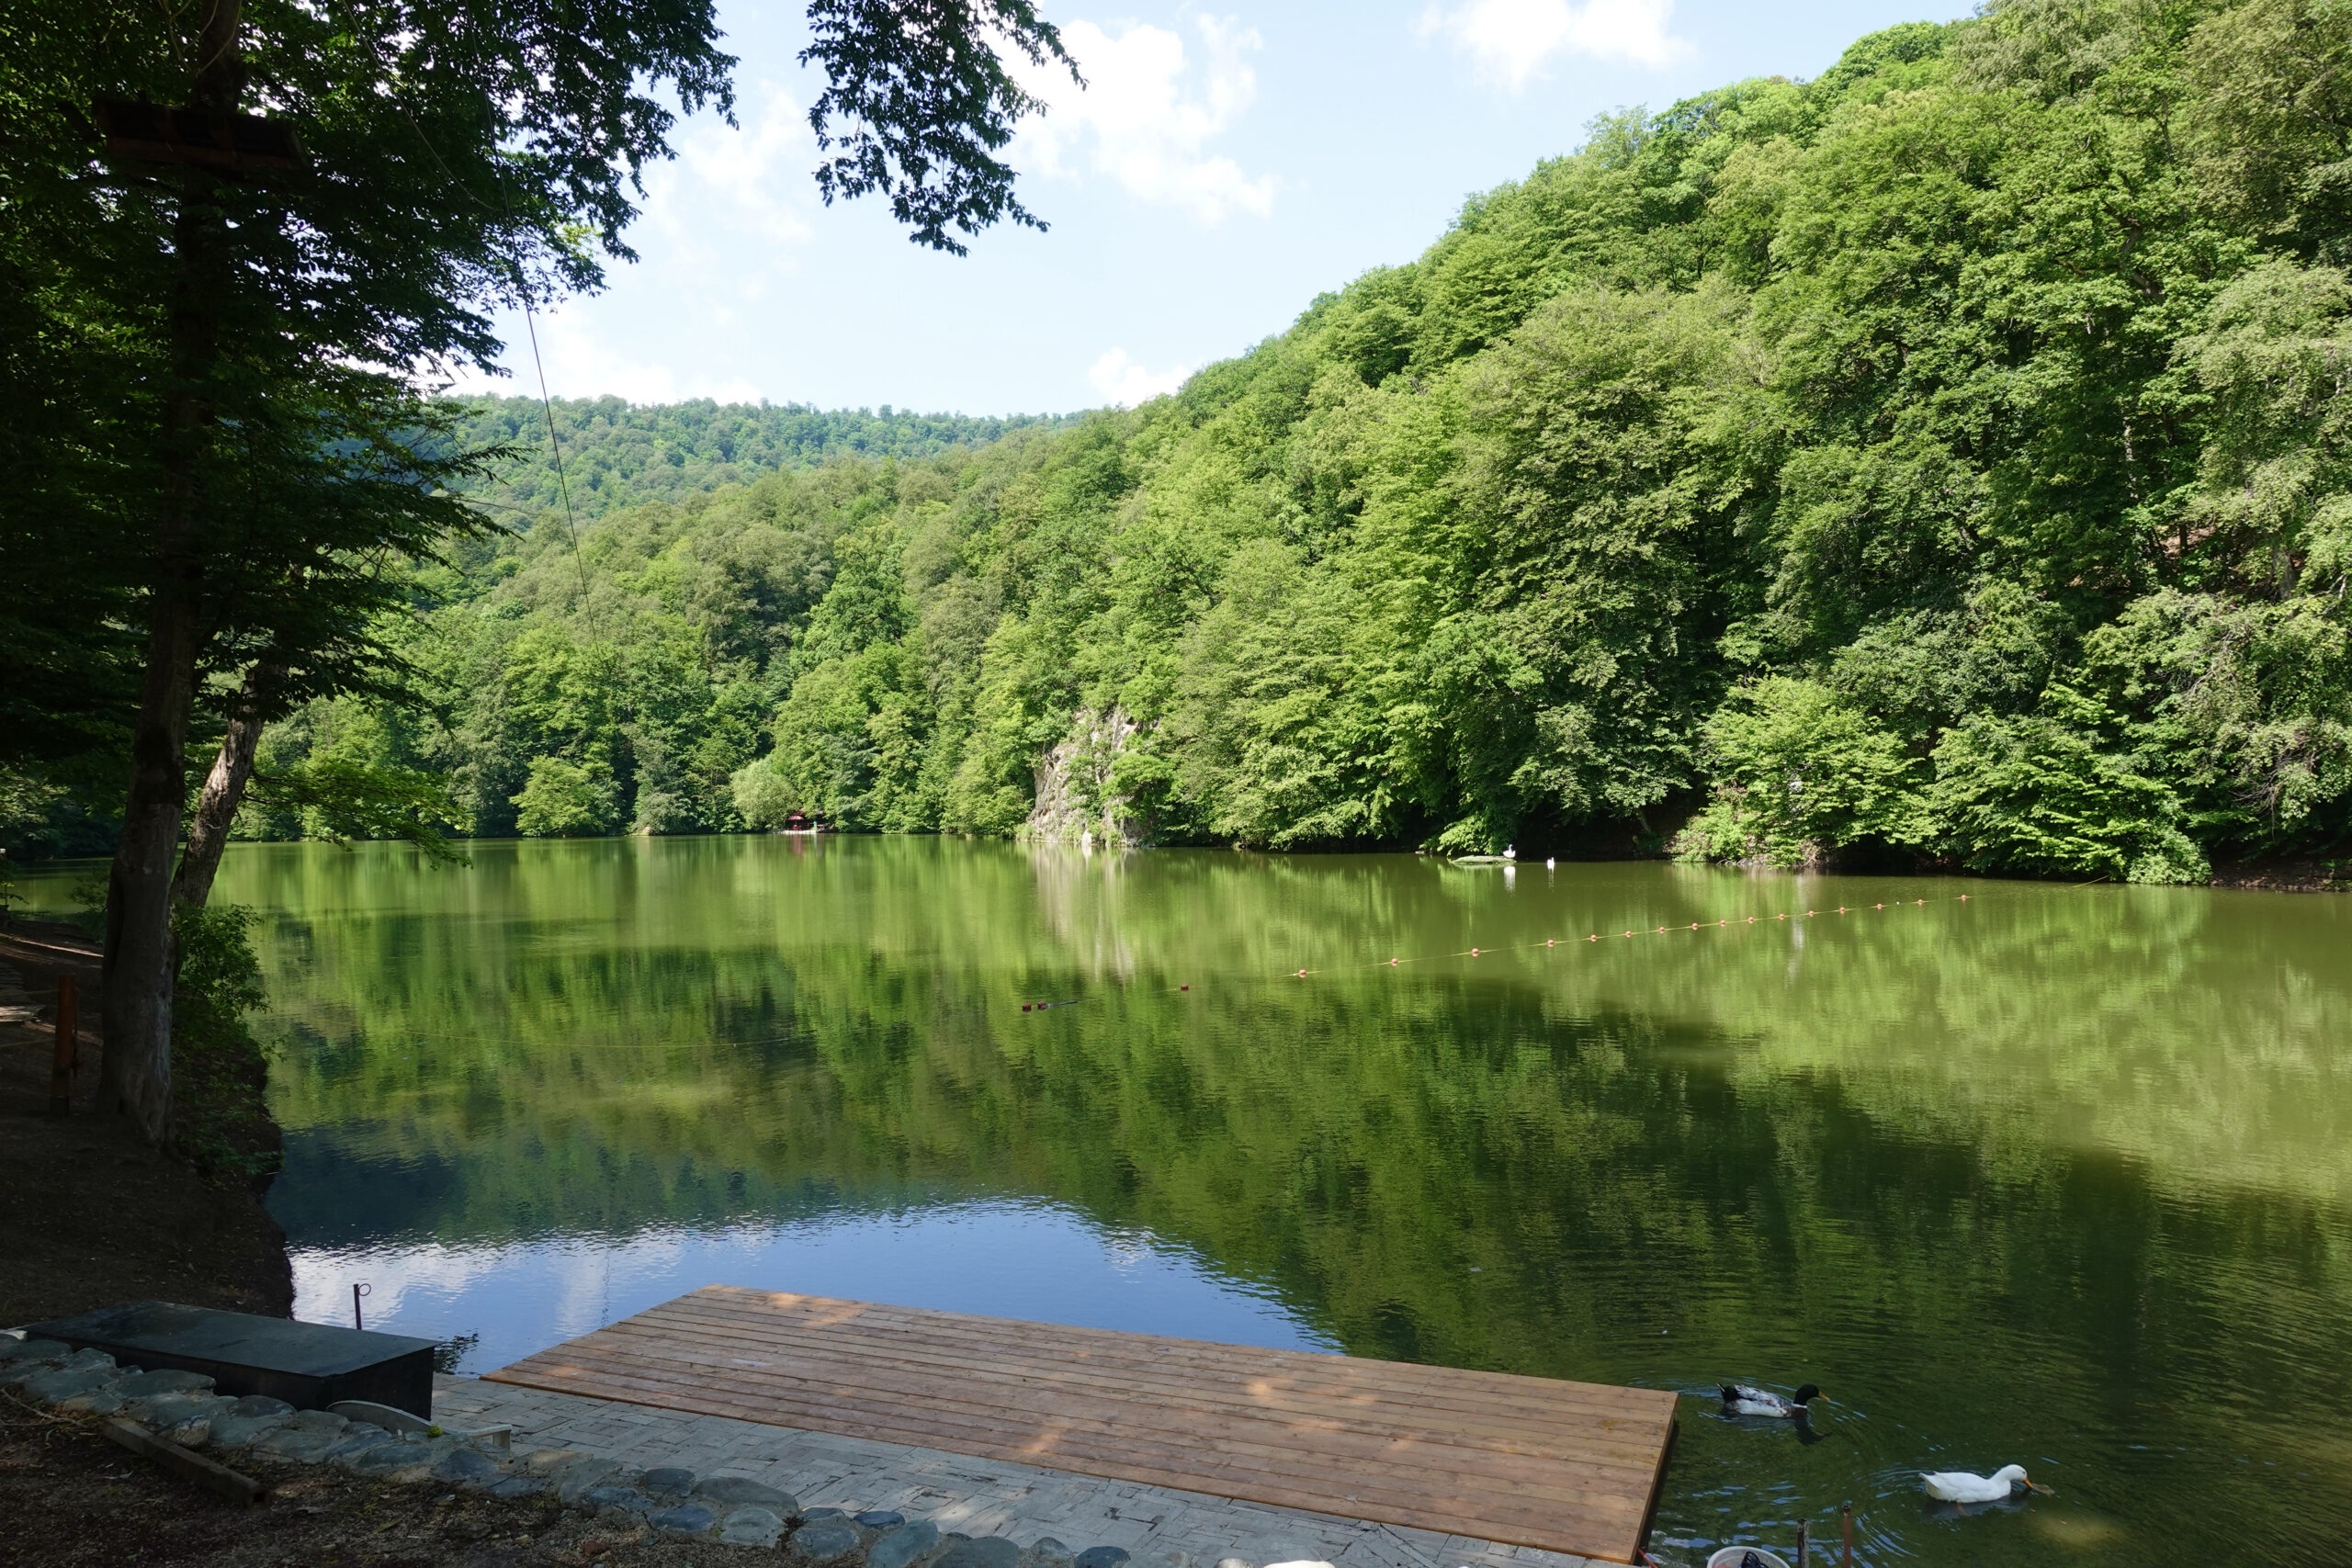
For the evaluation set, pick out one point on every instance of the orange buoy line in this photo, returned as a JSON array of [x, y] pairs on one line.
[[1548, 943]]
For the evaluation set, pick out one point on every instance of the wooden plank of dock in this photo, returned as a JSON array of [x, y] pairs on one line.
[[1569, 1467]]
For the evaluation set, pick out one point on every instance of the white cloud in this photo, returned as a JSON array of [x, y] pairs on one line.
[[580, 363], [1513, 40], [1120, 380], [752, 181], [1145, 120], [724, 228]]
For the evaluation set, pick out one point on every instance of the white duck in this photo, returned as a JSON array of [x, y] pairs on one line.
[[1958, 1486], [1741, 1400]]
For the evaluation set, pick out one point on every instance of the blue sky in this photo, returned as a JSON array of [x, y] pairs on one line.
[[1228, 164]]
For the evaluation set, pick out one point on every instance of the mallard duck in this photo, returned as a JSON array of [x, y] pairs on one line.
[[1741, 1400], [1958, 1486]]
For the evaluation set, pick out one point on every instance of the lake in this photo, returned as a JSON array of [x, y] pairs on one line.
[[2048, 1175]]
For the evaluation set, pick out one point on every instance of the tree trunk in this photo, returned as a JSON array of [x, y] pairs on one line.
[[137, 976], [139, 960], [225, 790]]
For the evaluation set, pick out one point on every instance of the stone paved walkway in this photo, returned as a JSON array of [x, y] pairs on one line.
[[974, 1497]]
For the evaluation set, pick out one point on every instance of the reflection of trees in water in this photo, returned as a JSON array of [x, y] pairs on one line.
[[1078, 901], [2092, 1139], [544, 986]]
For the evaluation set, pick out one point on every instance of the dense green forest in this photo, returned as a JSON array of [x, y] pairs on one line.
[[618, 454], [1940, 460]]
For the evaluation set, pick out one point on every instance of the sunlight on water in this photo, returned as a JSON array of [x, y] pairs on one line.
[[2053, 1175]]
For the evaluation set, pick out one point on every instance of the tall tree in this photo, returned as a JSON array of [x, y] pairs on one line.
[[299, 212]]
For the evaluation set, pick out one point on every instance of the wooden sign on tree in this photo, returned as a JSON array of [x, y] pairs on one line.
[[228, 143]]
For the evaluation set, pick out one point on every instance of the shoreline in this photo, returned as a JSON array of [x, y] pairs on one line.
[[2296, 876], [2288, 874]]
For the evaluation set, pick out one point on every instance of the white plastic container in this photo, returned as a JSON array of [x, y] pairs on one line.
[[1740, 1557]]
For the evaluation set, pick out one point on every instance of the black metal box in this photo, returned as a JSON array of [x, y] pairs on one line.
[[308, 1365]]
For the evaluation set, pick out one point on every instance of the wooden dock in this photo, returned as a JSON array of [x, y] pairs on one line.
[[1568, 1467]]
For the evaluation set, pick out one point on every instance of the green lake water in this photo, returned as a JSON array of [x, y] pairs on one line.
[[2054, 1176]]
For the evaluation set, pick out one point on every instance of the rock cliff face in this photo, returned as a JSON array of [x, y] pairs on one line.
[[1075, 802]]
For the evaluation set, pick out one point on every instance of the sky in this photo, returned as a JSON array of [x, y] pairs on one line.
[[1226, 164]]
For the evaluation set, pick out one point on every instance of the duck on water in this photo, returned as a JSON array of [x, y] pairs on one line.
[[1739, 1399], [1959, 1487]]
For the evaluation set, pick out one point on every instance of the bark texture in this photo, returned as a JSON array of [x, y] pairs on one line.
[[224, 791], [139, 956]]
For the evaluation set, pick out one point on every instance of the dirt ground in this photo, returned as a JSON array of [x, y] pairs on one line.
[[71, 1498], [93, 1215]]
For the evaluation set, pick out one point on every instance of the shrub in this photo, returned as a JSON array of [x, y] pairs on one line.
[[1800, 771], [2046, 792], [564, 799], [762, 797], [220, 1072]]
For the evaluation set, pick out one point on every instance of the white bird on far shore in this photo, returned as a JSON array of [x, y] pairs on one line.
[[1958, 1486]]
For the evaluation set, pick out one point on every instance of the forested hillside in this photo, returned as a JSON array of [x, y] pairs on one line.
[[1943, 458], [618, 454]]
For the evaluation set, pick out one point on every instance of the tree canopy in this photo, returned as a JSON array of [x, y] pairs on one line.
[[1940, 459], [620, 454], [245, 239]]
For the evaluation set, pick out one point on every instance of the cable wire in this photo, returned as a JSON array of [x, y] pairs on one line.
[[571, 524]]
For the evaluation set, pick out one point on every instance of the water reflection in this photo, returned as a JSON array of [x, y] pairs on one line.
[[2055, 1176], [521, 1296]]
